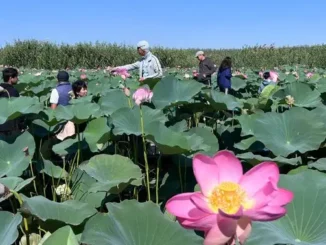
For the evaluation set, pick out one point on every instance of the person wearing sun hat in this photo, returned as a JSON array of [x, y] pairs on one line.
[[206, 69], [149, 66]]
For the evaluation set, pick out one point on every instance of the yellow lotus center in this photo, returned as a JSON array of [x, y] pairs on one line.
[[229, 197]]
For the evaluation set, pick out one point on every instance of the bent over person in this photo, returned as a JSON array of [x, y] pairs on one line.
[[149, 66], [206, 69]]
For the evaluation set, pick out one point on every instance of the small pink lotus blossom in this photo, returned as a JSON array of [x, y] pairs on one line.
[[273, 76], [261, 74], [142, 94], [229, 200], [121, 72], [238, 73], [83, 76], [126, 91], [309, 74]]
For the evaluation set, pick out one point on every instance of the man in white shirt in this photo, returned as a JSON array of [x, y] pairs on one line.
[[61, 95]]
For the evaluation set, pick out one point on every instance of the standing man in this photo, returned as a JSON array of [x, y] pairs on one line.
[[149, 66], [61, 95], [206, 69], [7, 90]]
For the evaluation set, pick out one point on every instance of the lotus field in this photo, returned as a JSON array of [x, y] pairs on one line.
[[167, 162]]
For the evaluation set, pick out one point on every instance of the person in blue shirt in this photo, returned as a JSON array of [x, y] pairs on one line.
[[224, 75], [267, 81]]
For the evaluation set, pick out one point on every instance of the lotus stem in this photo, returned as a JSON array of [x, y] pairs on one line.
[[157, 177], [145, 153], [34, 182], [180, 175], [78, 152], [18, 197]]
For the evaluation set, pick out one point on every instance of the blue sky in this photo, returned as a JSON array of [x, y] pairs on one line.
[[178, 23]]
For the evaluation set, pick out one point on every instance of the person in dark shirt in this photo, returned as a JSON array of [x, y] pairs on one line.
[[224, 76], [7, 90], [206, 69]]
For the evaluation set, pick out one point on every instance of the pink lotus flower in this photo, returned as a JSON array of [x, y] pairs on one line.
[[261, 74], [238, 73], [121, 72], [142, 94], [309, 74], [229, 200], [83, 76], [273, 76]]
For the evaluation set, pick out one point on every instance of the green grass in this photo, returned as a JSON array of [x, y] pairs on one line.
[[38, 54]]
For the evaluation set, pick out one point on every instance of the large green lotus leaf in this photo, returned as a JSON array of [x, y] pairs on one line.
[[133, 223], [266, 94], [320, 112], [77, 113], [40, 128], [221, 101], [320, 164], [13, 160], [69, 146], [8, 227], [127, 120], [246, 122], [238, 83], [15, 107], [70, 212], [251, 143], [62, 236], [170, 92], [303, 95], [81, 183], [152, 82], [256, 159], [113, 172], [44, 88], [15, 183], [53, 170], [98, 87], [321, 85], [285, 133], [171, 142], [209, 139], [179, 126], [304, 222], [86, 100], [97, 131], [113, 101]]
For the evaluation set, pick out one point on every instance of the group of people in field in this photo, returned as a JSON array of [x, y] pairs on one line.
[[149, 67]]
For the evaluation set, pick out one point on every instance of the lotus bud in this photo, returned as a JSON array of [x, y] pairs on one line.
[[187, 76], [63, 190], [126, 91], [4, 191], [25, 150], [34, 239], [289, 100], [244, 111]]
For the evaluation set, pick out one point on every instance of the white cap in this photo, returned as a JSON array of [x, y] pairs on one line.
[[144, 45], [199, 53]]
